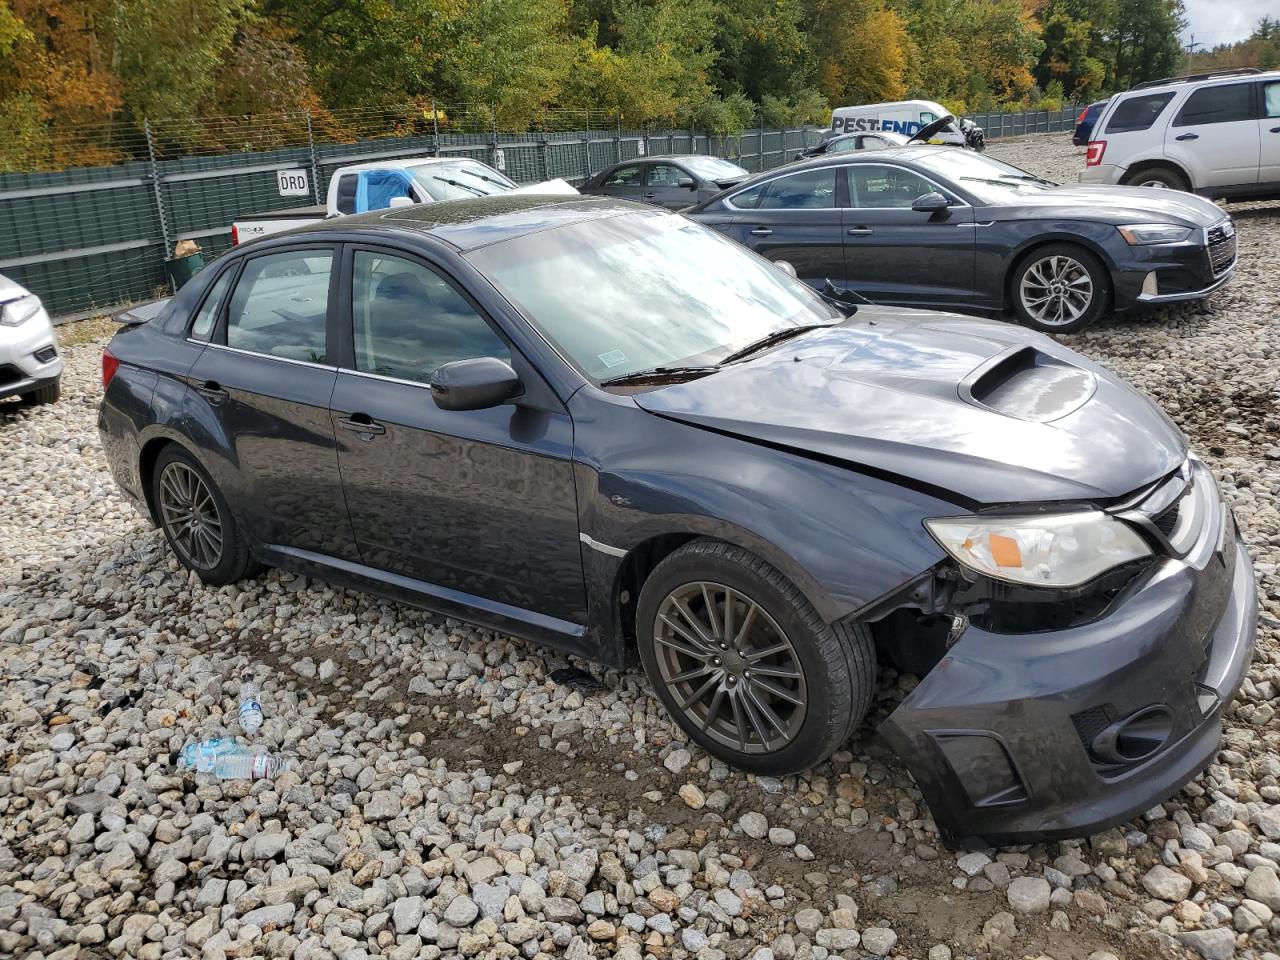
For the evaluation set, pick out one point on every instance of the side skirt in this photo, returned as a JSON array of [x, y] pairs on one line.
[[517, 621]]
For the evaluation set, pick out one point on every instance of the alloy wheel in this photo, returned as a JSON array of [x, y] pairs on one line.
[[1157, 184], [190, 514], [1056, 290], [730, 668]]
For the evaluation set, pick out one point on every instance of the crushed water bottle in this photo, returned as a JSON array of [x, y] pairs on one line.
[[250, 708], [227, 759]]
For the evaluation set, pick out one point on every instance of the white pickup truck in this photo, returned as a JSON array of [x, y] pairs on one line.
[[391, 183]]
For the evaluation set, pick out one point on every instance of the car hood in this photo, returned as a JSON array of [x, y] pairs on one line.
[[1119, 205], [10, 289], [988, 412]]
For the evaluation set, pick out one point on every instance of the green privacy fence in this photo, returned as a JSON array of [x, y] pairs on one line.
[[88, 239]]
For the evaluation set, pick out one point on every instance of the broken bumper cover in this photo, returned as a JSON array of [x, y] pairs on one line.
[[1013, 738]]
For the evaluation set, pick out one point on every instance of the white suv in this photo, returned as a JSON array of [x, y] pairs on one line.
[[30, 366], [1214, 134]]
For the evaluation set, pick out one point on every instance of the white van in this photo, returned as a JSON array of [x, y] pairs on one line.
[[906, 117]]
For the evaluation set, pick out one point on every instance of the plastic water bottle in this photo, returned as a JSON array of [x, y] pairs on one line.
[[250, 708], [228, 759]]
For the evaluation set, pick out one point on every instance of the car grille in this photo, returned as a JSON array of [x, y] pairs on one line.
[[1167, 522], [1221, 241], [9, 375]]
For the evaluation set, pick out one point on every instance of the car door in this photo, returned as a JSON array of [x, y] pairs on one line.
[[668, 185], [625, 182], [795, 218], [264, 380], [894, 254], [1269, 132], [1215, 134], [480, 502]]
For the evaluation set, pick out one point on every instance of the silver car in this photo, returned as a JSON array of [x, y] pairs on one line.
[[30, 365]]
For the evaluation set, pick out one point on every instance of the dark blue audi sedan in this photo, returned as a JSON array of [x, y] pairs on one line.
[[609, 429]]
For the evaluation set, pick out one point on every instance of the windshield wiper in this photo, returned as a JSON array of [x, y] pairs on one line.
[[460, 185], [1029, 178], [660, 375], [481, 176], [769, 339]]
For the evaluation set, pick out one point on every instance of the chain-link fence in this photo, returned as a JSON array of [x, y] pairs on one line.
[[94, 235]]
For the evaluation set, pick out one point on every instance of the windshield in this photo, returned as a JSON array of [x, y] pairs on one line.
[[629, 293], [713, 168], [456, 179], [980, 175]]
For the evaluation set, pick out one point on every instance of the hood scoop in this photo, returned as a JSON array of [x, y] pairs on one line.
[[1025, 383]]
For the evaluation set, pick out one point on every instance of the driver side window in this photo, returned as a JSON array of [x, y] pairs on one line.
[[409, 320], [875, 187]]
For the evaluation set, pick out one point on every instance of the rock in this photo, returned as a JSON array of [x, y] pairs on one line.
[[677, 760], [971, 864], [266, 846], [782, 836], [834, 938], [692, 939], [693, 797], [1166, 884], [878, 940], [270, 918], [461, 911], [809, 920], [1029, 894], [754, 825], [1263, 885], [1216, 944], [383, 805], [406, 914]]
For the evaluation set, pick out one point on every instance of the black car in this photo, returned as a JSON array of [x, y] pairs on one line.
[[939, 227], [1084, 123], [611, 430], [674, 182]]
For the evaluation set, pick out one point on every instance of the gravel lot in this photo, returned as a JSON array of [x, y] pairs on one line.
[[447, 798]]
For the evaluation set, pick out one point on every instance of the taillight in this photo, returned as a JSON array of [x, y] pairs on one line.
[[1096, 149], [109, 366], [235, 235], [1080, 119]]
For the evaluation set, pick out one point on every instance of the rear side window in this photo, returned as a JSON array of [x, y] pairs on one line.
[[808, 190], [280, 305], [1217, 105], [202, 325], [1271, 99], [1138, 113]]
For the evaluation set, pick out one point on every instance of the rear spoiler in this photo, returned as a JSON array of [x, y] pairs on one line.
[[141, 312]]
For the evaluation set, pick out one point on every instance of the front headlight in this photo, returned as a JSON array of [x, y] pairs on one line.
[[1138, 234], [19, 311], [1050, 550]]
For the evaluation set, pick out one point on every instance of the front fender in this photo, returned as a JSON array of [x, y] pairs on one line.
[[844, 538]]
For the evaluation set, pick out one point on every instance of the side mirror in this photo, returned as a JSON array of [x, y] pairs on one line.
[[475, 384], [397, 202], [688, 183], [930, 203], [786, 267]]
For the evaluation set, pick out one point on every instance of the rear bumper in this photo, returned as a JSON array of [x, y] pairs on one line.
[[998, 735]]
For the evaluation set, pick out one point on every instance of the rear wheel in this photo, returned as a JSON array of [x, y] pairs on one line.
[[197, 521], [1164, 178], [1060, 288], [49, 393], [745, 665]]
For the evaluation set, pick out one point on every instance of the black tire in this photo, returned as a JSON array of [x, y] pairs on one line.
[[232, 561], [1073, 261], [1161, 177], [836, 662], [49, 393]]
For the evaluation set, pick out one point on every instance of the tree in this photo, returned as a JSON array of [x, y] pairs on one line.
[[861, 48]]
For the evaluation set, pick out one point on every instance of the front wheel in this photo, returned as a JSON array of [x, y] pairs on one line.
[[745, 665], [1060, 288], [197, 520]]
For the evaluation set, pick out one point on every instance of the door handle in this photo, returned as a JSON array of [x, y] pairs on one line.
[[1188, 136], [1275, 129], [650, 196], [212, 391], [859, 231], [362, 424], [761, 232]]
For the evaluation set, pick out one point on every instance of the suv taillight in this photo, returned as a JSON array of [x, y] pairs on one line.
[[109, 366], [235, 235], [1096, 149]]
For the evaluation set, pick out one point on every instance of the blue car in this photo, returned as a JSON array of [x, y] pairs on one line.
[[1084, 123]]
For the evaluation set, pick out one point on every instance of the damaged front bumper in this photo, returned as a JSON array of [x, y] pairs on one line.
[[1020, 737]]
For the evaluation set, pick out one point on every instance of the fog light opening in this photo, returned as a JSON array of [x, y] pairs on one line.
[[1134, 739], [1149, 286]]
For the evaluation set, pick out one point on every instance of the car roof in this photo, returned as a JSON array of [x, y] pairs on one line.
[[402, 163], [472, 223], [1175, 84]]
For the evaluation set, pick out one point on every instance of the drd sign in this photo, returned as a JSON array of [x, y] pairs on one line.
[[293, 183]]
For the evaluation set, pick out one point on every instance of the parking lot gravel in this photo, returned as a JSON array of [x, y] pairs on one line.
[[446, 797]]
